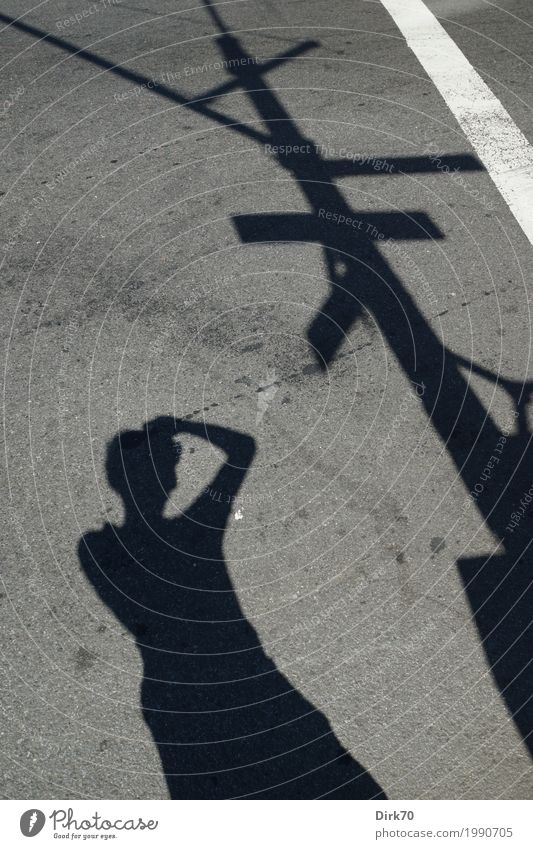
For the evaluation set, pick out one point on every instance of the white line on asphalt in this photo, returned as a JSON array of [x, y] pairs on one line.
[[500, 145]]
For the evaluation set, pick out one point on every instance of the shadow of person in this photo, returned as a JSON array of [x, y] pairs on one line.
[[226, 722]]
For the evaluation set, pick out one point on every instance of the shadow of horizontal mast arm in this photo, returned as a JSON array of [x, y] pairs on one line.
[[138, 79], [305, 227], [376, 166]]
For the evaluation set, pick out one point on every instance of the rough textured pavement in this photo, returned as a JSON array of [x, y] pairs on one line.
[[131, 291]]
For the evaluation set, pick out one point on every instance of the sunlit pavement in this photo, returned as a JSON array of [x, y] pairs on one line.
[[137, 283]]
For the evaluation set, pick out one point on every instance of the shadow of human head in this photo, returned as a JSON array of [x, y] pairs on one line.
[[141, 466]]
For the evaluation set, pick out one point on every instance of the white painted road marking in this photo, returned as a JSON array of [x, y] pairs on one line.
[[500, 145]]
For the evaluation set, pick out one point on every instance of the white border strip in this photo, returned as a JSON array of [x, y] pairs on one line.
[[264, 824], [500, 145]]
